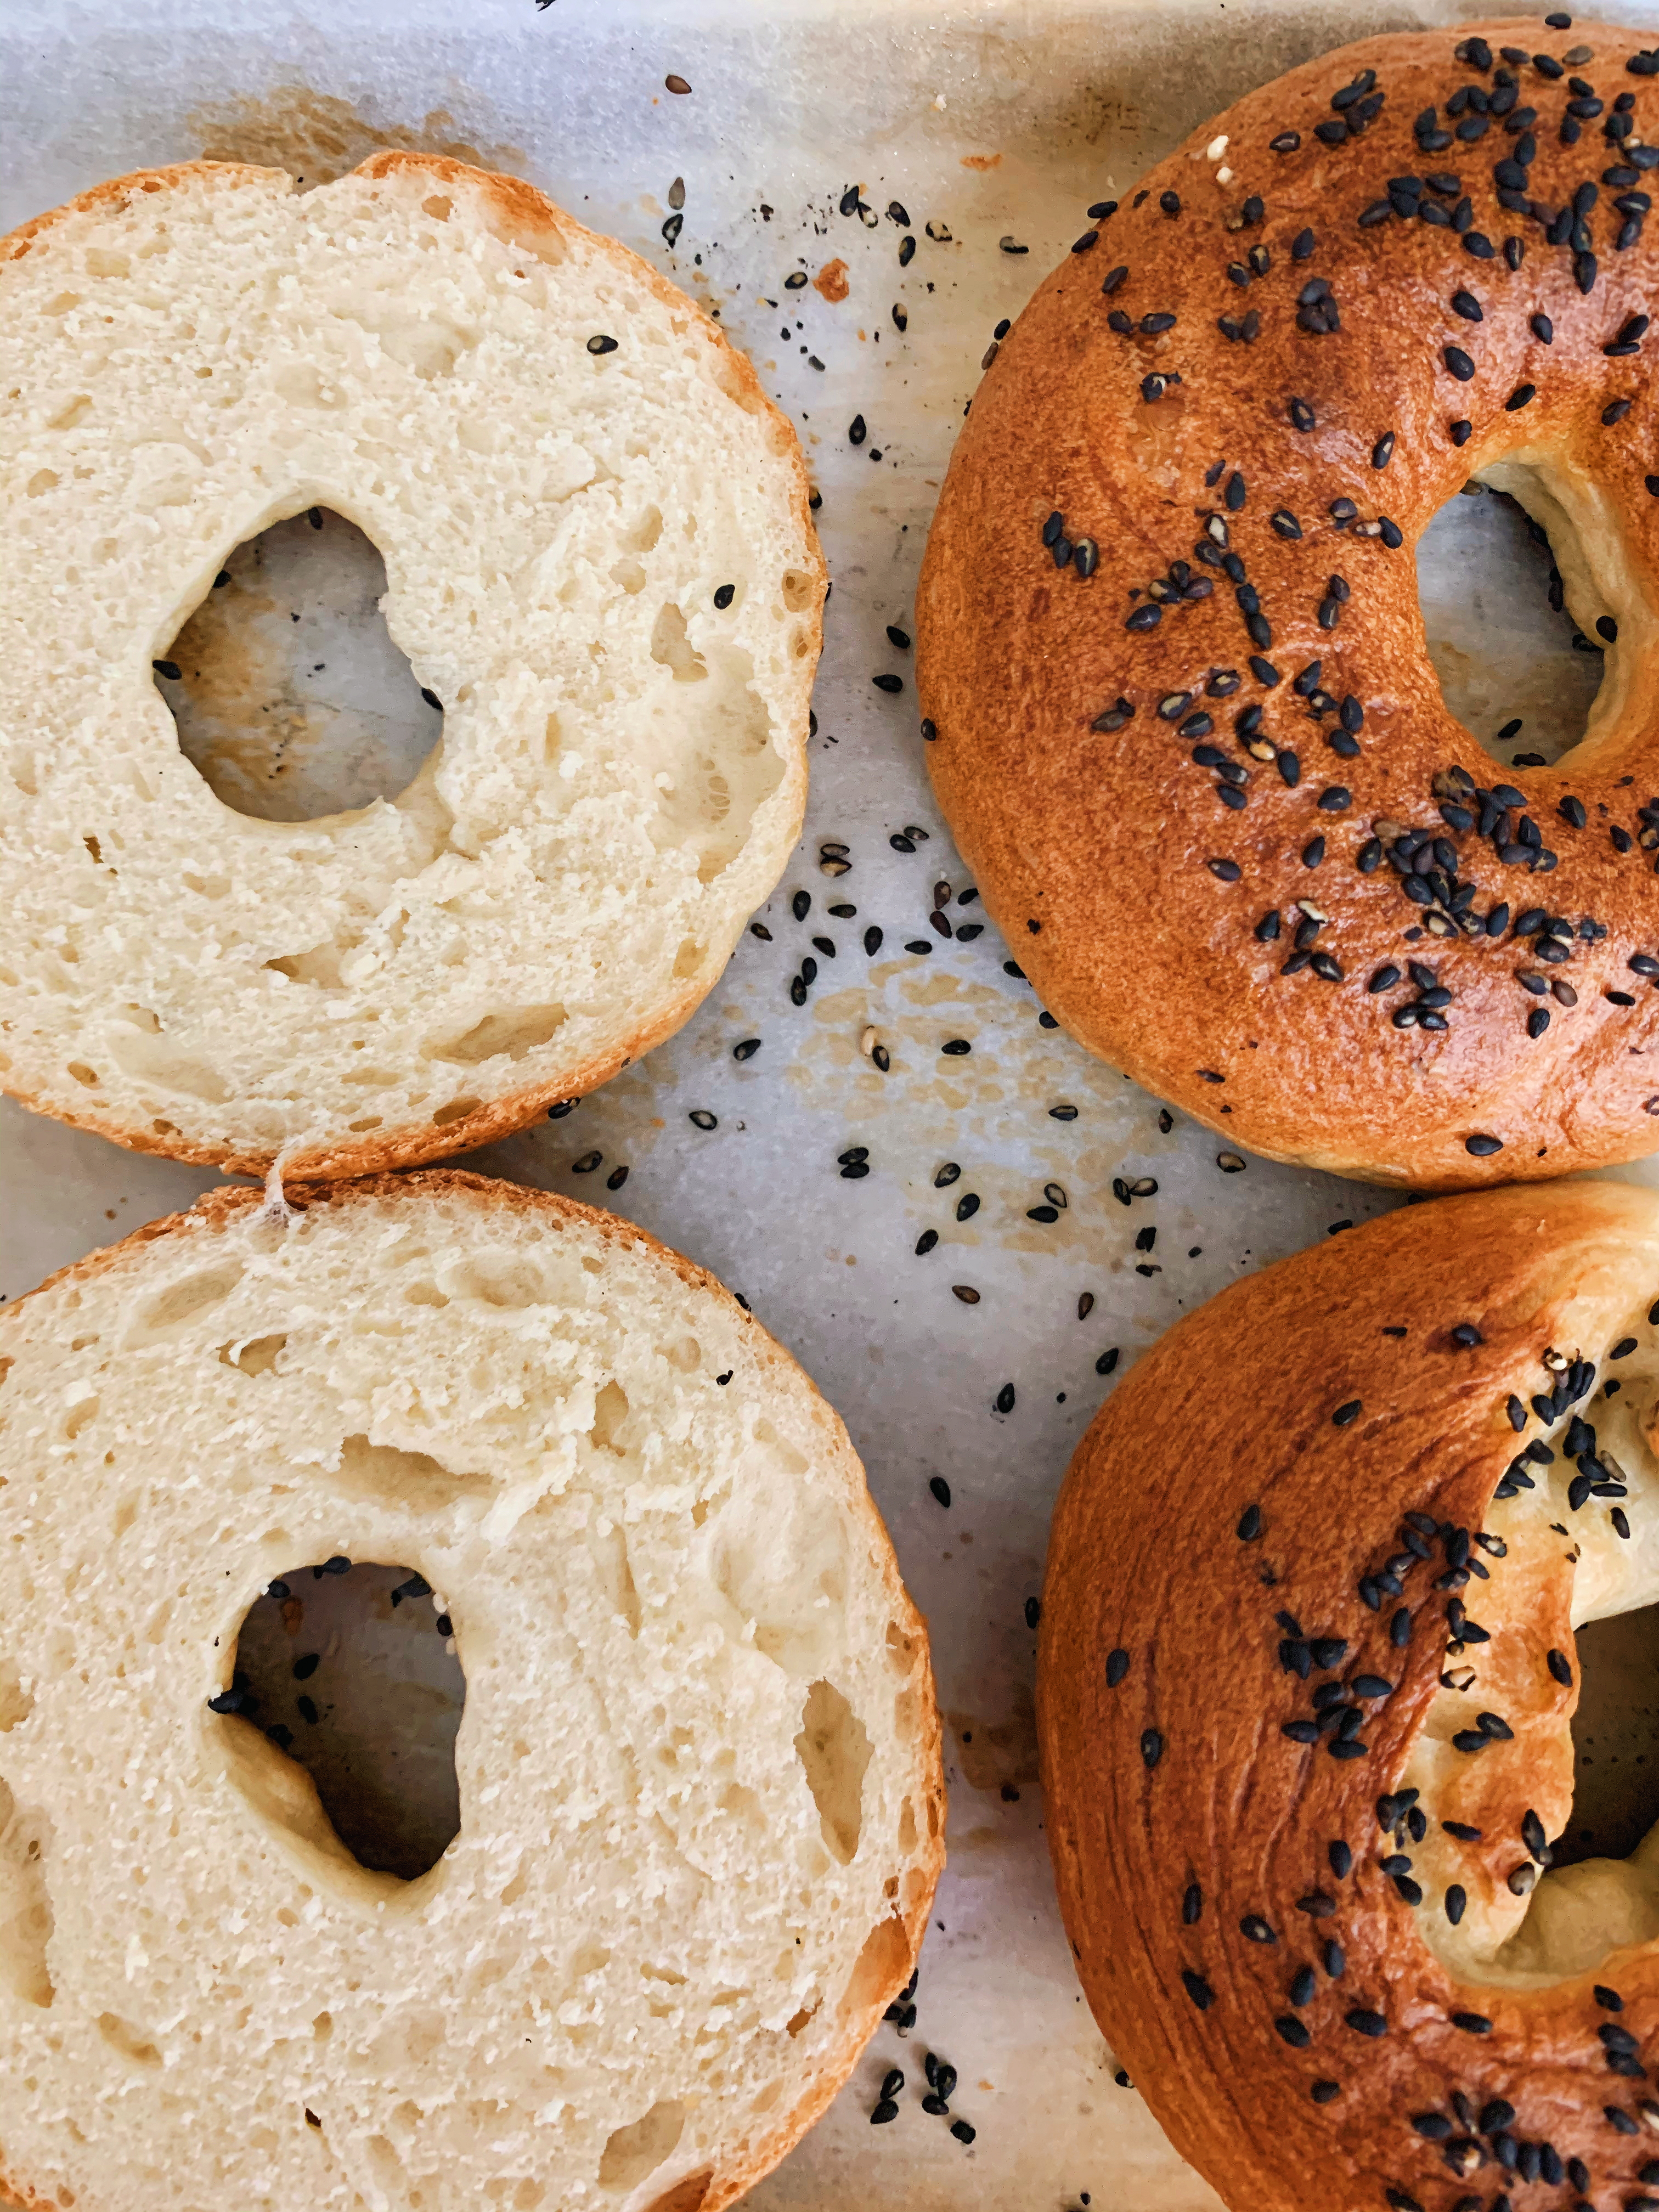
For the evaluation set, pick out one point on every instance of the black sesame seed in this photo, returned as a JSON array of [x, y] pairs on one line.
[[1345, 1415], [1151, 1747]]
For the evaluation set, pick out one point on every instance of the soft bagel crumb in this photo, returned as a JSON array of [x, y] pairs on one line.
[[599, 558], [700, 1800]]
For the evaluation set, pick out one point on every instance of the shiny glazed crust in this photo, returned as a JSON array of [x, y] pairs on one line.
[[1226, 1510], [1134, 898]]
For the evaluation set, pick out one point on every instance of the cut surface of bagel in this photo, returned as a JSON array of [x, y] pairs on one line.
[[701, 1805], [1306, 1684], [600, 561], [1185, 725]]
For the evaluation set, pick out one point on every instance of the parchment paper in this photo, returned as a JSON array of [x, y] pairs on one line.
[[992, 123]]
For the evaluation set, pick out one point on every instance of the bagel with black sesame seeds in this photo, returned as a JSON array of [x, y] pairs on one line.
[[599, 560], [1306, 1679], [700, 1809], [1178, 707]]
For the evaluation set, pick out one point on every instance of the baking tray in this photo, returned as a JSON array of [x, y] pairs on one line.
[[992, 127]]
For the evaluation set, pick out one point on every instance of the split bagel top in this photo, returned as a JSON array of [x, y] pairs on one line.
[[599, 560]]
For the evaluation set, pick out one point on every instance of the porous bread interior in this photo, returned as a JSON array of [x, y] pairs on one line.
[[200, 352], [1576, 1915], [698, 1762]]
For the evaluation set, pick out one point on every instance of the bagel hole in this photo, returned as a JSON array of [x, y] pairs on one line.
[[349, 1675], [1495, 572], [1615, 1739], [292, 701]]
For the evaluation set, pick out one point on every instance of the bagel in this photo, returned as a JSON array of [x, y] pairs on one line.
[[1184, 721], [599, 559], [701, 1806], [1306, 1676]]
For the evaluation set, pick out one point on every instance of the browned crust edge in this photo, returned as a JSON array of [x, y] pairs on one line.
[[420, 1142]]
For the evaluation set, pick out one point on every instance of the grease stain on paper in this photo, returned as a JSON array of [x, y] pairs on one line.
[[318, 137]]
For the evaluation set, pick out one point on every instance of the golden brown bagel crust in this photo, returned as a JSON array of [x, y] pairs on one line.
[[1091, 845], [1179, 1777]]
